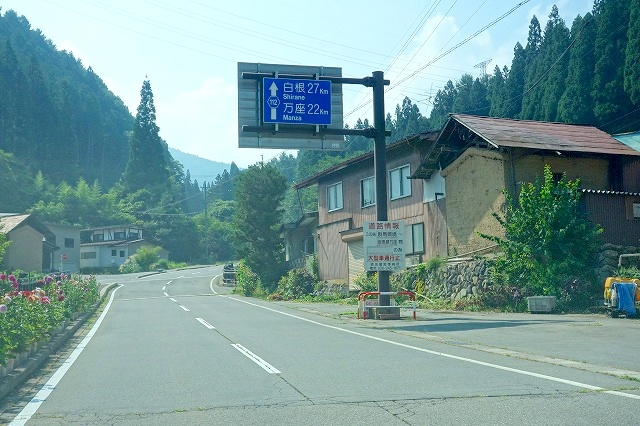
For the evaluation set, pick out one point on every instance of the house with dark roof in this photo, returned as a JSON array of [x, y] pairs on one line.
[[347, 199], [445, 186], [481, 156], [110, 246], [32, 243]]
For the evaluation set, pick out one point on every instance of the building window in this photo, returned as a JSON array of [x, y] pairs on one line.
[[119, 235], [636, 210], [399, 182], [88, 255], [414, 238], [308, 245], [121, 253], [69, 243], [114, 252], [334, 196], [98, 237], [367, 192]]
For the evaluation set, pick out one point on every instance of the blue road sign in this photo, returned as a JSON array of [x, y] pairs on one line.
[[292, 101]]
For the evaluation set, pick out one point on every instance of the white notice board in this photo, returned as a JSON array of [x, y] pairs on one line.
[[383, 245]]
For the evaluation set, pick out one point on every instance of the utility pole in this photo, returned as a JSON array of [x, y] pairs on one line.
[[380, 167]]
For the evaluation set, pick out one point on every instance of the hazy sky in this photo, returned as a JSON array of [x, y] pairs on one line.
[[189, 51]]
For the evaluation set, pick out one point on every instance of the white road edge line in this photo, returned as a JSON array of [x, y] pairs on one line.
[[211, 284], [205, 323], [33, 405], [255, 358], [458, 358]]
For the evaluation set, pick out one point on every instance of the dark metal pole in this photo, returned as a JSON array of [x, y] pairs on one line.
[[206, 225], [380, 166]]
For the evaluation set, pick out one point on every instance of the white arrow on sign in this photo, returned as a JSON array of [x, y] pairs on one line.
[[274, 91]]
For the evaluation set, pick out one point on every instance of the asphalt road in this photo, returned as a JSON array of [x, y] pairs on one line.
[[176, 349]]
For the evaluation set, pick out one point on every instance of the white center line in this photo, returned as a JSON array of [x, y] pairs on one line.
[[173, 300], [255, 358], [205, 323], [184, 309]]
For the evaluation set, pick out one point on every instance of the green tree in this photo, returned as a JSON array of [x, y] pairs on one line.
[[554, 61], [632, 59], [146, 256], [442, 105], [611, 101], [511, 106], [548, 243], [532, 94], [409, 121], [147, 166], [576, 103], [497, 90], [258, 195]]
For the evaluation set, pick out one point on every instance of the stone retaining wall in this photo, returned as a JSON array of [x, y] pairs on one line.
[[464, 278]]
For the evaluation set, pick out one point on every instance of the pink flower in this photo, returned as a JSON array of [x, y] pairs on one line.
[[12, 278], [3, 309], [16, 284], [45, 300], [48, 279], [60, 297], [3, 276]]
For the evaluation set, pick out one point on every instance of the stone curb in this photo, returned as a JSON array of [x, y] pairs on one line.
[[34, 361]]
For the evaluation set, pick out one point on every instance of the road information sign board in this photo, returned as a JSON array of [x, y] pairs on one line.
[[384, 245], [321, 109], [293, 101]]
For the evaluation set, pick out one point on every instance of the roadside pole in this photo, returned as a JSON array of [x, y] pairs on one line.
[[380, 166]]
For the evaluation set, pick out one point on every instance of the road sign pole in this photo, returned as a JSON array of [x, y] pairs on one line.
[[380, 166]]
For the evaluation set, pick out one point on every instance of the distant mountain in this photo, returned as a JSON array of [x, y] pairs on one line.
[[199, 168]]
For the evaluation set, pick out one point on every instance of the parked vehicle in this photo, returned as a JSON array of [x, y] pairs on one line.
[[229, 274]]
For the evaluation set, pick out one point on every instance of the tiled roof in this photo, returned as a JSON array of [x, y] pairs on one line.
[[463, 131], [312, 180], [504, 132], [9, 223]]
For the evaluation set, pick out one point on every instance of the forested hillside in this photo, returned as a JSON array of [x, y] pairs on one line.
[[56, 115], [71, 152]]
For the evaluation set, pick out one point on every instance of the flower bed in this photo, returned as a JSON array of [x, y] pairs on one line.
[[28, 317]]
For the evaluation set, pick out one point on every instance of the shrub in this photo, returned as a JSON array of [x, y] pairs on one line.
[[29, 316], [247, 282], [130, 266], [548, 242], [366, 281], [297, 283]]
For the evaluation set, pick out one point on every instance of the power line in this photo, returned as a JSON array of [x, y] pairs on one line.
[[472, 36]]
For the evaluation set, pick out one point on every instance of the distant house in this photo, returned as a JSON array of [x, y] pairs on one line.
[[445, 186], [32, 243], [110, 246], [67, 255]]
